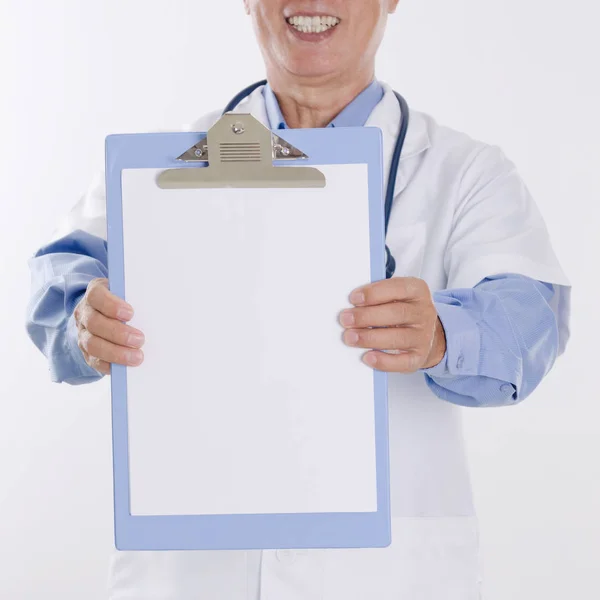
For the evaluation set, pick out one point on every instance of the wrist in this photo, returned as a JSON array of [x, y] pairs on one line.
[[438, 348]]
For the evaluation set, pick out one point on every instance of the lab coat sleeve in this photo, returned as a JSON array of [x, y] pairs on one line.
[[497, 228], [89, 214]]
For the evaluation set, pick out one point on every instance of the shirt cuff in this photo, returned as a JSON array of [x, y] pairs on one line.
[[463, 342], [439, 370]]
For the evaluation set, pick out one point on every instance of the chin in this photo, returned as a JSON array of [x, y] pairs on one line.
[[315, 67]]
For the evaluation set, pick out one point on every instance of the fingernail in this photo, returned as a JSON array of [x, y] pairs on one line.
[[347, 318], [370, 359], [351, 338], [125, 313], [136, 339], [357, 297], [134, 358]]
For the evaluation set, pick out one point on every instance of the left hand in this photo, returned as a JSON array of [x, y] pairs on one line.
[[396, 315]]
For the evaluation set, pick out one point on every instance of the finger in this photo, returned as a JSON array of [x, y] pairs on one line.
[[405, 362], [384, 338], [382, 315], [104, 301], [100, 365], [111, 329], [109, 352], [96, 363], [390, 290]]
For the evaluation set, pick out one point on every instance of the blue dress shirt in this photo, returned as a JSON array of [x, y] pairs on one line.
[[354, 115], [501, 335], [60, 273]]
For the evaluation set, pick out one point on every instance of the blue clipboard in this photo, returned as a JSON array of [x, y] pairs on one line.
[[333, 146]]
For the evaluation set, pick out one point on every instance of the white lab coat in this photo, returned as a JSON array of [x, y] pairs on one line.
[[461, 213]]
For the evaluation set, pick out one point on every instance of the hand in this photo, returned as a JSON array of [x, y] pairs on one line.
[[102, 338], [397, 315]]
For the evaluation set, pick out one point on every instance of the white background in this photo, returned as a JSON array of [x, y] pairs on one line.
[[519, 73]]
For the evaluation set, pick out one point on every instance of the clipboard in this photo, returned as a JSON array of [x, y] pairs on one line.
[[250, 425]]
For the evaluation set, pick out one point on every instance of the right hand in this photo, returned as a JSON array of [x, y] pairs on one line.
[[102, 337]]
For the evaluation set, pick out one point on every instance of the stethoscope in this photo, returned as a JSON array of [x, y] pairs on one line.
[[390, 263]]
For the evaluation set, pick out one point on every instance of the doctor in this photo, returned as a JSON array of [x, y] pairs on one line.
[[475, 316]]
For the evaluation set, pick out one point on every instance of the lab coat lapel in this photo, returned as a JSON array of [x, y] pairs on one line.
[[386, 116]]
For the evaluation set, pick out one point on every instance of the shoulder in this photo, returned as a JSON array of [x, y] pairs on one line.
[[471, 172], [461, 170], [456, 150], [461, 158], [429, 143]]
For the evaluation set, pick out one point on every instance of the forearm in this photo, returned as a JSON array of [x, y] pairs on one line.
[[60, 275], [501, 338]]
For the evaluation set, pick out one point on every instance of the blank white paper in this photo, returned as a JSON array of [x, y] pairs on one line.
[[248, 401]]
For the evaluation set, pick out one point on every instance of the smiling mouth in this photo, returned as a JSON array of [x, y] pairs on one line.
[[310, 24]]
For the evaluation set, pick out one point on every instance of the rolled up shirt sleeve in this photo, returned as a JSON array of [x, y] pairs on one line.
[[501, 340], [60, 274]]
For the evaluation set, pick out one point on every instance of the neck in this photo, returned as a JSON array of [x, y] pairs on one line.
[[315, 102]]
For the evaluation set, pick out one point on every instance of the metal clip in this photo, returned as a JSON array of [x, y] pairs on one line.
[[282, 150], [239, 151]]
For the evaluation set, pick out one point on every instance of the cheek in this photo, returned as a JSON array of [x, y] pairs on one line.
[[269, 27], [367, 25], [367, 33]]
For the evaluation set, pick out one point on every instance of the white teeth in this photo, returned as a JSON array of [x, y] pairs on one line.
[[313, 24]]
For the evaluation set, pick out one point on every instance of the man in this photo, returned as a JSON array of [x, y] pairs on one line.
[[475, 316]]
